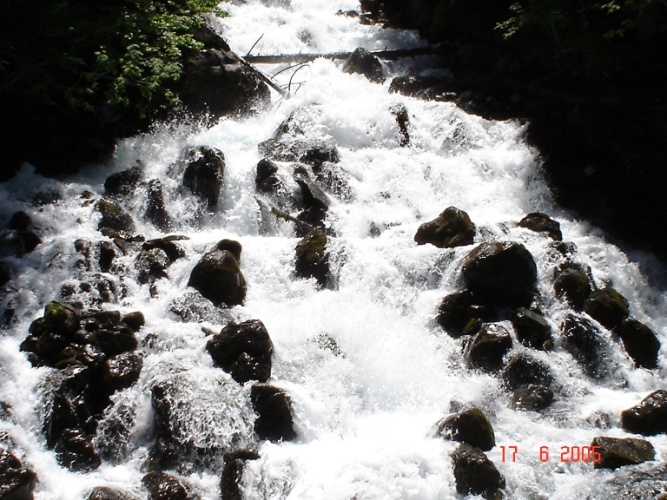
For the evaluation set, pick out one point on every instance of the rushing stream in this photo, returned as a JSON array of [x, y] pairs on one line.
[[368, 370]]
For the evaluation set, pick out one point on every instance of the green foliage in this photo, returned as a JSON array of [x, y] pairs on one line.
[[123, 53]]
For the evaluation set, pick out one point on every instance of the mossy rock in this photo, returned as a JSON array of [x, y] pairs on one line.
[[60, 319], [363, 62], [312, 259], [573, 283], [607, 307], [114, 217]]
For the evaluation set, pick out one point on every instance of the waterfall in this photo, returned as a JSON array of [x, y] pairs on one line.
[[367, 368]]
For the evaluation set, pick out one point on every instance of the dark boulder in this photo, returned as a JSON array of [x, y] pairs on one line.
[[311, 219], [532, 329], [107, 253], [20, 221], [75, 450], [232, 246], [649, 417], [425, 87], [16, 481], [122, 371], [266, 180], [469, 426], [156, 210], [232, 473], [274, 415], [217, 86], [400, 113], [542, 223], [114, 217], [530, 381], [607, 307], [312, 258], [503, 273], [163, 486], [122, 183], [243, 350], [168, 245], [573, 283], [452, 228], [489, 347], [312, 196], [475, 474], [617, 452], [134, 320], [484, 104], [5, 273], [217, 276], [151, 265], [460, 313], [106, 493], [204, 173], [115, 341], [582, 340], [640, 342], [363, 62]]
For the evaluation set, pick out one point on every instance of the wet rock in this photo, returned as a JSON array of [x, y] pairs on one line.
[[217, 86], [266, 180], [163, 486], [107, 253], [617, 452], [152, 265], [122, 183], [607, 307], [204, 173], [475, 474], [274, 415], [232, 246], [489, 347], [217, 276], [583, 341], [18, 243], [484, 104], [312, 219], [122, 371], [649, 417], [425, 87], [503, 273], [460, 313], [114, 217], [156, 210], [542, 223], [168, 245], [313, 197], [16, 481], [20, 221], [452, 228], [646, 481], [60, 319], [532, 329], [312, 259], [363, 62], [75, 450], [403, 122], [573, 283], [529, 380], [106, 493], [232, 473], [243, 350], [320, 152], [116, 341], [134, 320], [5, 273], [469, 426], [640, 342]]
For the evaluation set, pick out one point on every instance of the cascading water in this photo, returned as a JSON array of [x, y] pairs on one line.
[[368, 370]]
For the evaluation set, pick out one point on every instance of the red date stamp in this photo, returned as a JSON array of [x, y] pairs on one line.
[[566, 454]]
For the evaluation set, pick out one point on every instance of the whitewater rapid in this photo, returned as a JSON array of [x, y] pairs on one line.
[[365, 414]]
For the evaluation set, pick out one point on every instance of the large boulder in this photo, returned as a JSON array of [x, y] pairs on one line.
[[489, 347], [573, 283], [584, 342], [217, 276], [363, 62], [640, 342], [274, 414], [530, 382], [607, 307], [469, 426], [114, 217], [16, 481], [452, 228], [163, 486], [542, 223], [204, 173], [122, 183], [475, 474], [617, 452], [462, 313], [217, 85], [232, 473], [503, 273], [243, 350], [649, 417], [532, 329], [312, 258]]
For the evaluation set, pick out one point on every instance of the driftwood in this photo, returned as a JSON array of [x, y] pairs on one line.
[[300, 58]]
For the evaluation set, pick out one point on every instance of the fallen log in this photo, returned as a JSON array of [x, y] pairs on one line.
[[300, 58]]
